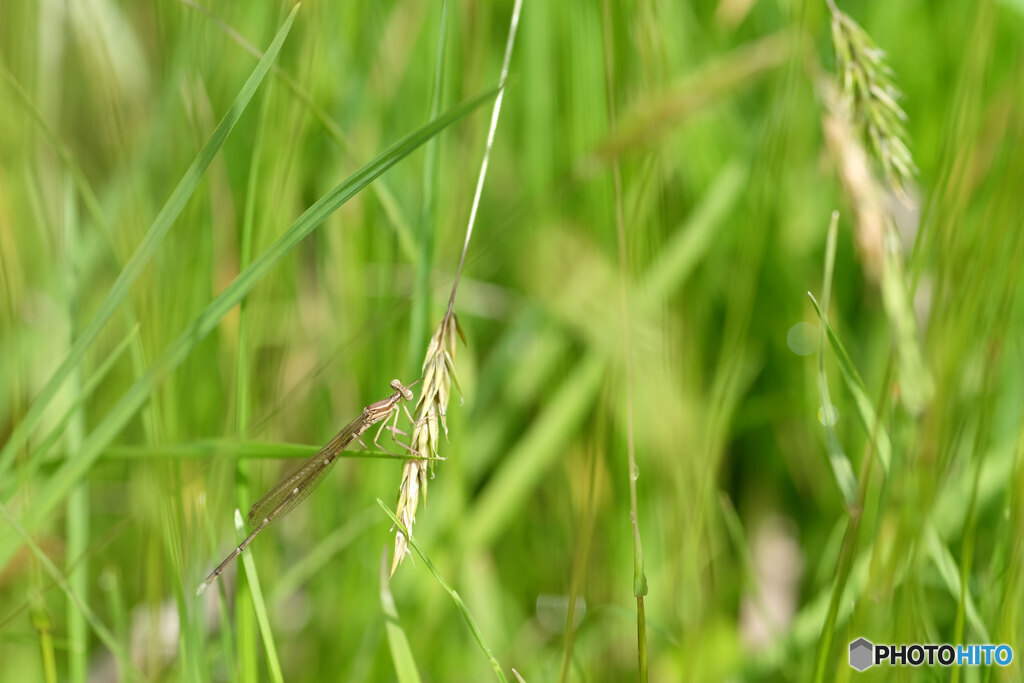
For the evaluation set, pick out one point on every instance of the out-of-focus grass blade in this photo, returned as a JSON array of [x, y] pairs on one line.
[[424, 264], [77, 522], [691, 241], [238, 450], [948, 520], [534, 453], [113, 590], [154, 236], [916, 384], [537, 449], [950, 574], [314, 561], [388, 202], [50, 568], [842, 470], [401, 653], [865, 409], [54, 491], [92, 204], [227, 645], [466, 614], [84, 393], [258, 605]]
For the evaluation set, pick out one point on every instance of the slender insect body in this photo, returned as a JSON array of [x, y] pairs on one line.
[[282, 498]]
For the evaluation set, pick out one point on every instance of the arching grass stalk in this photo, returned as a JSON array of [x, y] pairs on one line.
[[439, 361], [474, 627]]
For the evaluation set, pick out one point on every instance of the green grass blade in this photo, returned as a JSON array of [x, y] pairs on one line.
[[237, 450], [401, 653], [842, 470], [146, 249], [258, 604], [112, 588], [534, 453], [77, 522], [308, 566], [54, 491], [78, 177], [950, 573], [387, 199], [916, 384], [421, 294], [690, 242], [55, 574], [463, 609], [855, 385], [83, 394], [244, 617]]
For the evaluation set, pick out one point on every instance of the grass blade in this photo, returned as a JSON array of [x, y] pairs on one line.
[[54, 491], [77, 522], [421, 293], [842, 470], [258, 604], [466, 614], [83, 393], [950, 573], [401, 653], [855, 385], [146, 249], [55, 574], [534, 453], [303, 569]]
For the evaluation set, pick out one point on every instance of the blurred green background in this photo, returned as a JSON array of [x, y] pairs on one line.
[[757, 567]]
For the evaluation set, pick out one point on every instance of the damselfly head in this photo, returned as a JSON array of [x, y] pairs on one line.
[[402, 389]]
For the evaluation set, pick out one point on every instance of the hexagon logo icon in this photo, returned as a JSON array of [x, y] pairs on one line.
[[861, 654]]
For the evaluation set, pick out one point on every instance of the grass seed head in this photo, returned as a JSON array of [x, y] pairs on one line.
[[872, 99], [431, 408]]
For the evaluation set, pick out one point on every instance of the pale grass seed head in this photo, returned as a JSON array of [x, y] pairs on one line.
[[431, 408], [866, 195], [871, 98]]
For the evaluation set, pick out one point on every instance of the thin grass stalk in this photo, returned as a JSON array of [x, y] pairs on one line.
[[633, 472], [421, 295], [50, 568], [258, 603], [248, 664], [459, 602], [981, 437], [842, 470], [438, 369], [44, 627], [77, 522], [848, 549], [580, 562]]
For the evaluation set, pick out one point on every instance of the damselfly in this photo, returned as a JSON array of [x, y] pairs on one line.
[[283, 498]]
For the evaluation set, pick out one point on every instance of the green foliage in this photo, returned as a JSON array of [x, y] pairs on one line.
[[224, 230]]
